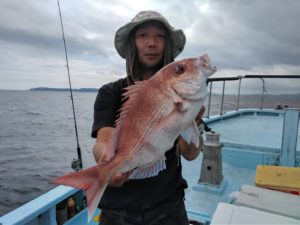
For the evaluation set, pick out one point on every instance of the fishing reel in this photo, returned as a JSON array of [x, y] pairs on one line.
[[76, 165]]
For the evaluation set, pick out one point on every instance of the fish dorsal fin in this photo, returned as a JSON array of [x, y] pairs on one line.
[[191, 134], [149, 171], [128, 97]]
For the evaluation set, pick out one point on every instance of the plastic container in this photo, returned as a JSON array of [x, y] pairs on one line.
[[280, 178]]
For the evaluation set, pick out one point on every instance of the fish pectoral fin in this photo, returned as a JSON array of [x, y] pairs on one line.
[[149, 171], [191, 135]]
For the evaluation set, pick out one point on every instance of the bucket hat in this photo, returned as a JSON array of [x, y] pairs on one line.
[[122, 34]]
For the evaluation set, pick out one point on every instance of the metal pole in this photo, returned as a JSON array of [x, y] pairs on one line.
[[263, 91], [239, 91], [289, 137], [209, 99], [222, 102]]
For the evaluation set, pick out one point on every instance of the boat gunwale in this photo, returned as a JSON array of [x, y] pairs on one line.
[[38, 206]]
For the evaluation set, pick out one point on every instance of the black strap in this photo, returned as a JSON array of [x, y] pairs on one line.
[[206, 128]]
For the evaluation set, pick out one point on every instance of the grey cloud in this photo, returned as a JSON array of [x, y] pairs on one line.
[[34, 25], [243, 34], [237, 34]]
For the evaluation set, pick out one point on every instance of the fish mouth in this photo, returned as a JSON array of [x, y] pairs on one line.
[[200, 94], [197, 96]]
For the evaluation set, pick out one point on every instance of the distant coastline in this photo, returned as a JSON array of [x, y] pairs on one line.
[[64, 89], [295, 95]]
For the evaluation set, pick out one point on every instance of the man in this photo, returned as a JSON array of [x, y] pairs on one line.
[[147, 43]]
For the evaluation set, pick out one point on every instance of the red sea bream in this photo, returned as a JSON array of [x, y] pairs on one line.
[[156, 112]]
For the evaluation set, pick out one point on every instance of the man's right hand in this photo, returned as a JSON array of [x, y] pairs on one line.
[[102, 154], [119, 179]]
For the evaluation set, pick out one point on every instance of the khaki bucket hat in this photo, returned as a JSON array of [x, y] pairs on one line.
[[122, 34]]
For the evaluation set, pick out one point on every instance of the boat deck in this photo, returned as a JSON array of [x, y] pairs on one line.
[[255, 139]]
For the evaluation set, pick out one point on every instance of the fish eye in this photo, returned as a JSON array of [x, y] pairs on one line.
[[180, 68]]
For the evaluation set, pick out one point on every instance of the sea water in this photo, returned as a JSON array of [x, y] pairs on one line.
[[38, 141]]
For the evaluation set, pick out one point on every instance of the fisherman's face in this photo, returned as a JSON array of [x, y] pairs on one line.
[[150, 44]]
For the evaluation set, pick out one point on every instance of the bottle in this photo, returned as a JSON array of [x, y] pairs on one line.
[[71, 208], [61, 213]]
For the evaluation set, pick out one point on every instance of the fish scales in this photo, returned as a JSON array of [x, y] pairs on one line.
[[156, 112], [140, 124]]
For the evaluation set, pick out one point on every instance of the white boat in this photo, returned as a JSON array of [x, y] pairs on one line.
[[227, 183]]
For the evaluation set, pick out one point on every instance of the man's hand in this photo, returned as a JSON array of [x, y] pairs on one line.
[[103, 154], [198, 118], [119, 179]]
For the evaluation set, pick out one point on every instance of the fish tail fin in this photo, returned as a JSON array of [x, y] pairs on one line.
[[88, 180]]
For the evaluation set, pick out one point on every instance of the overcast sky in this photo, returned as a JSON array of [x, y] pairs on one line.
[[241, 37]]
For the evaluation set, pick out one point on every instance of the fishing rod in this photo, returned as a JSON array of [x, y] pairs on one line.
[[76, 164]]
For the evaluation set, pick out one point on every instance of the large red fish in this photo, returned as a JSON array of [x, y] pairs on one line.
[[156, 112]]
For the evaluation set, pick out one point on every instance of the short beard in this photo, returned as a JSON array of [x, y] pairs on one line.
[[153, 68]]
